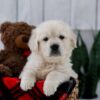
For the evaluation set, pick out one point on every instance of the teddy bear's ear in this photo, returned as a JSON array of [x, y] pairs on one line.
[[4, 26]]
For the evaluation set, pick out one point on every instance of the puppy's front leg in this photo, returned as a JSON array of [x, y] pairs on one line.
[[53, 80], [28, 79], [72, 73], [28, 75]]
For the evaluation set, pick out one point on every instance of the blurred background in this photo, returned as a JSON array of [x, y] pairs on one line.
[[83, 16]]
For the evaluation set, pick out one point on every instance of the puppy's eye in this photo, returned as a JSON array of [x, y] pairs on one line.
[[45, 39], [61, 37]]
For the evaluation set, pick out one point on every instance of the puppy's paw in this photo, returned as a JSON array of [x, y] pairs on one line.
[[49, 88], [21, 75], [27, 84]]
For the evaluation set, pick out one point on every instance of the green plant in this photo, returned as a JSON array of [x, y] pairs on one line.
[[93, 75], [80, 62], [87, 66]]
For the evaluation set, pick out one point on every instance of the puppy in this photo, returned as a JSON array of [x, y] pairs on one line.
[[51, 46]]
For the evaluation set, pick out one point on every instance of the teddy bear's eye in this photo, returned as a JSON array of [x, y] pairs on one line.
[[61, 37], [45, 39]]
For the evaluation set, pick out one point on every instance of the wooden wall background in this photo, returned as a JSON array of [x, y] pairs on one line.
[[79, 14]]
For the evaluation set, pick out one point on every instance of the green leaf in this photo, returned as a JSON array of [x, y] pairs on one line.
[[95, 56], [80, 61], [91, 65], [80, 55], [93, 75]]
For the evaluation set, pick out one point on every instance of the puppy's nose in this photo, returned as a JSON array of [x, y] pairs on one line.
[[54, 47]]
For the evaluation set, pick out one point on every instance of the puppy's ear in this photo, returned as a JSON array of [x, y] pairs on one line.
[[33, 42], [73, 40]]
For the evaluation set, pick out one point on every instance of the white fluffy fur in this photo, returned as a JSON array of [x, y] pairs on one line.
[[54, 69]]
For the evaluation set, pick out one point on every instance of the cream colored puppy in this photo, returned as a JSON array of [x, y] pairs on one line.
[[51, 44]]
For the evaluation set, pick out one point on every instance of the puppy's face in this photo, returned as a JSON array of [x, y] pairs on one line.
[[53, 40]]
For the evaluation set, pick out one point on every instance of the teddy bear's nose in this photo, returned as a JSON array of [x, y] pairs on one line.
[[25, 39]]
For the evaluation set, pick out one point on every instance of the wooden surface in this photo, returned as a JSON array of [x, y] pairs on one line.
[[79, 14]]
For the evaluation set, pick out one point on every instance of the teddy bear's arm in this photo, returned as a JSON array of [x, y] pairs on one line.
[[3, 55], [5, 71]]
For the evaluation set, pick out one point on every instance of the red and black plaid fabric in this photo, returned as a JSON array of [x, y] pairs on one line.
[[10, 90]]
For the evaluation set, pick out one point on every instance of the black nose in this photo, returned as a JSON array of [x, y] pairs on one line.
[[54, 47]]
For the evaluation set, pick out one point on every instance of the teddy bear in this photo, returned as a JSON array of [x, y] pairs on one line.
[[15, 37]]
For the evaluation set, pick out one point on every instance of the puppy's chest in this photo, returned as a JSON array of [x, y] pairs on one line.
[[44, 70]]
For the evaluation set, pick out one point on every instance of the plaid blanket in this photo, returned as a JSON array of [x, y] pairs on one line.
[[10, 90]]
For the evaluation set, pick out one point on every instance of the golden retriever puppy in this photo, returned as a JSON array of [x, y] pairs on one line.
[[51, 46]]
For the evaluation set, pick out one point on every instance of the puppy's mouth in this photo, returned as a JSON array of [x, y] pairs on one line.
[[55, 53]]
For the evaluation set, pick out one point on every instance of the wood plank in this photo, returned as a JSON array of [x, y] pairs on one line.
[[83, 14], [58, 10], [30, 11], [98, 14], [7, 10]]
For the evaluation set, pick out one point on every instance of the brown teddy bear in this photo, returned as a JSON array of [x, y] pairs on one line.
[[15, 37]]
